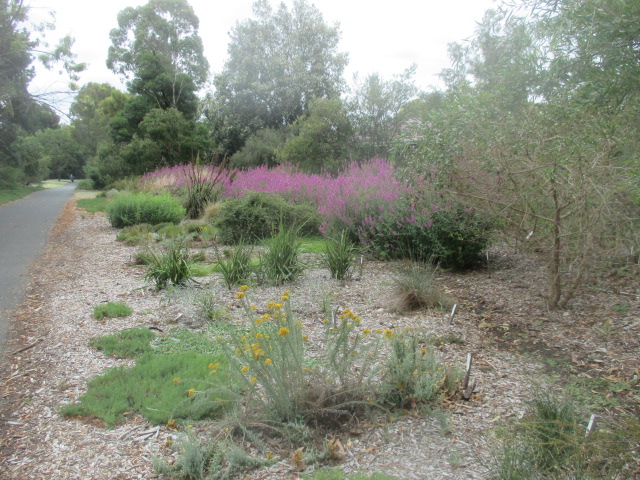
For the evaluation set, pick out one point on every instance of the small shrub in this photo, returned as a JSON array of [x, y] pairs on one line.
[[339, 256], [111, 310], [171, 266], [256, 216], [192, 460], [159, 387], [413, 373], [134, 208], [135, 234], [285, 384], [86, 184], [129, 343], [415, 288], [280, 263], [210, 310]]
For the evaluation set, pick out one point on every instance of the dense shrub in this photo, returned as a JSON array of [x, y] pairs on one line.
[[133, 208], [258, 215], [450, 235]]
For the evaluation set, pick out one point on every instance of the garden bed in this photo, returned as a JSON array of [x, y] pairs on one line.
[[500, 318]]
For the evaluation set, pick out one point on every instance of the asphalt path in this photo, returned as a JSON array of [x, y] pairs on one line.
[[24, 228]]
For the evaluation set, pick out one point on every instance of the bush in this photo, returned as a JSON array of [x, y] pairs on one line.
[[128, 209], [257, 216], [111, 310], [452, 236], [203, 186], [235, 266], [85, 184]]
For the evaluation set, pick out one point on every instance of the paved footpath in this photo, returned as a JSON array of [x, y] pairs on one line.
[[24, 228]]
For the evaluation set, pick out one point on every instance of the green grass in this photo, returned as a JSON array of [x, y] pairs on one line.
[[312, 245], [7, 196], [180, 340], [129, 343], [339, 474], [54, 183], [187, 385], [111, 310], [93, 205]]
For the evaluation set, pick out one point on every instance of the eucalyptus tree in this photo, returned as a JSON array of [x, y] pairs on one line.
[[279, 62], [166, 29]]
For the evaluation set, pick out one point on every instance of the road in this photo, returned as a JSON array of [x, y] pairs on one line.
[[24, 228]]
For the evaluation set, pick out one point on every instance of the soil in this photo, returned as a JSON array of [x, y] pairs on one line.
[[500, 318]]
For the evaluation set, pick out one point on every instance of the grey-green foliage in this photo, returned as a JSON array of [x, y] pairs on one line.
[[279, 61], [532, 130], [169, 28]]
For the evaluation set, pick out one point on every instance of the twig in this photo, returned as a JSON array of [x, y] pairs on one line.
[[27, 347]]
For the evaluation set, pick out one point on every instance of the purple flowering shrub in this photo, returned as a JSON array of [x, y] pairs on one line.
[[391, 218]]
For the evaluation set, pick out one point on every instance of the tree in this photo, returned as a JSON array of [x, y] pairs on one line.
[[321, 139], [376, 105], [94, 106], [279, 62], [536, 144], [165, 29], [64, 154]]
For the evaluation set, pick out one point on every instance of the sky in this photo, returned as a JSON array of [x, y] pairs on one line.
[[384, 37]]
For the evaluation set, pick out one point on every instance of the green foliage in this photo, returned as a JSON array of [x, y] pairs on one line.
[[85, 184], [134, 208], [169, 30], [183, 340], [93, 205], [261, 148], [169, 266], [277, 63], [415, 288], [159, 387], [111, 310], [339, 474], [339, 256], [256, 216], [12, 194], [281, 263], [130, 343], [236, 266], [319, 141], [136, 234], [413, 373], [209, 308], [453, 237]]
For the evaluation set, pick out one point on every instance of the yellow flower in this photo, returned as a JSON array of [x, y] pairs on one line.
[[171, 423], [269, 455], [253, 380], [277, 305], [388, 333], [423, 352], [259, 335], [366, 331], [191, 392], [268, 361], [283, 332], [240, 295], [271, 305], [168, 443], [176, 380], [305, 338], [252, 307], [244, 288], [244, 369]]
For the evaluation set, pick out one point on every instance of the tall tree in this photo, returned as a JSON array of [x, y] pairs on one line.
[[167, 29], [376, 105], [279, 62]]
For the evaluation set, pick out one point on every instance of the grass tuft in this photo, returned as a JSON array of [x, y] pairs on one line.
[[112, 310]]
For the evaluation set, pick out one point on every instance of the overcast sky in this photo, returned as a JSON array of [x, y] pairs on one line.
[[380, 36]]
